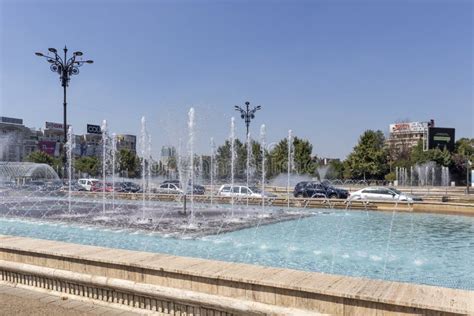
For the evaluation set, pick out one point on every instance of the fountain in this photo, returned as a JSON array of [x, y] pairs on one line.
[[70, 147], [445, 178], [143, 152], [191, 157], [212, 170], [350, 242], [290, 163], [114, 154], [104, 160], [148, 169], [232, 159], [262, 146]]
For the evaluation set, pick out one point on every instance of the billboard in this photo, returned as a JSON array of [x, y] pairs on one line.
[[49, 147], [11, 120], [93, 129], [55, 126], [440, 137], [411, 127]]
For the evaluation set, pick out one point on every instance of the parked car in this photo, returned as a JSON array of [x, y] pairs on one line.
[[129, 187], [168, 188], [99, 185], [87, 183], [243, 191], [313, 189], [75, 186], [174, 187], [383, 194]]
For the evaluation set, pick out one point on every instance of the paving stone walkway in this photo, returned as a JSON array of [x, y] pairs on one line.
[[22, 302]]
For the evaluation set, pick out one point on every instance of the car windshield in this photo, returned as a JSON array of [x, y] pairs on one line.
[[395, 190]]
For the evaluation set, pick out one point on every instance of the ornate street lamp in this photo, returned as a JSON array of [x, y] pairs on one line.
[[65, 68], [247, 114]]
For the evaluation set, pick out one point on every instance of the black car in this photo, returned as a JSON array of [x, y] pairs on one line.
[[129, 187], [321, 190]]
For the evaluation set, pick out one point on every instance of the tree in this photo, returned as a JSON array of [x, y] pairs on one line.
[[420, 156], [88, 165], [304, 164], [42, 157], [369, 157], [224, 158], [128, 163], [336, 170], [464, 151]]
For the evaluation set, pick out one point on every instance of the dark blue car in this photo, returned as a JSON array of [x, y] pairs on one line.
[[314, 189]]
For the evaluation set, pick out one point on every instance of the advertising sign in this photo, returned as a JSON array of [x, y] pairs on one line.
[[93, 129], [411, 127], [55, 126], [49, 147], [441, 137]]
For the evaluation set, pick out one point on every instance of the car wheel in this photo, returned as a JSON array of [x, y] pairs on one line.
[[299, 195], [333, 196]]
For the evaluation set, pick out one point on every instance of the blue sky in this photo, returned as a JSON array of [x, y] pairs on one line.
[[328, 70]]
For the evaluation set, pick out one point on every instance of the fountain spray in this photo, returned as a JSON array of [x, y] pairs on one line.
[[191, 155], [262, 145], [143, 150], [149, 168], [211, 171], [104, 160], [290, 145], [114, 153], [232, 159], [70, 148], [249, 153]]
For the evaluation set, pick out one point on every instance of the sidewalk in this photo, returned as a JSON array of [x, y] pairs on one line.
[[22, 302]]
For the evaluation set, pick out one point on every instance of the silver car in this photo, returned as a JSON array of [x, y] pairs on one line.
[[382, 194]]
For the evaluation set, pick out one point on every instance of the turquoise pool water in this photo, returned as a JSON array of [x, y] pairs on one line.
[[418, 248]]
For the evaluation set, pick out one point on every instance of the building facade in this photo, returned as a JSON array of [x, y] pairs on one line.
[[404, 136], [16, 140]]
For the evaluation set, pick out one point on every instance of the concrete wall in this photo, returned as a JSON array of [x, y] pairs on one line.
[[187, 286]]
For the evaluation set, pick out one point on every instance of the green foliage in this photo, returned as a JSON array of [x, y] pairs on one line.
[[441, 157], [88, 165], [391, 176], [465, 147], [464, 151], [223, 160], [336, 170], [369, 157], [42, 157], [278, 158], [128, 163]]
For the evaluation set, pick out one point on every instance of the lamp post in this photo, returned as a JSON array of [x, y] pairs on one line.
[[65, 68], [247, 114]]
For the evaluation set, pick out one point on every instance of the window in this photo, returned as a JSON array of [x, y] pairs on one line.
[[370, 191], [164, 186], [244, 190], [235, 190], [226, 189]]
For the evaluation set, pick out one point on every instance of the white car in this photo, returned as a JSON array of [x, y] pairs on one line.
[[382, 194], [243, 191], [86, 183], [169, 188]]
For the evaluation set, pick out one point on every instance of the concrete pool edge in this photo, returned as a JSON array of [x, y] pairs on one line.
[[272, 287]]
